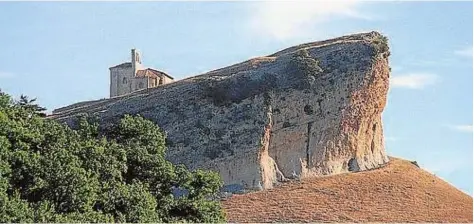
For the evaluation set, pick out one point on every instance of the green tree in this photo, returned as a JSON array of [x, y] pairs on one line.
[[52, 173]]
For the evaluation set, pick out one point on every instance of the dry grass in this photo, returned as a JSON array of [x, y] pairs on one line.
[[398, 192]]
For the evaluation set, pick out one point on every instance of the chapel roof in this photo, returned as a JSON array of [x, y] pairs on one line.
[[149, 72]]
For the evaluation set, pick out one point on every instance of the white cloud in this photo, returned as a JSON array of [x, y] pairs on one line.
[[466, 52], [4, 75], [290, 19], [444, 61], [413, 80], [462, 128]]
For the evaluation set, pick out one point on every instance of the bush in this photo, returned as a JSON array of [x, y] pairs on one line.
[[303, 70], [381, 45], [51, 173]]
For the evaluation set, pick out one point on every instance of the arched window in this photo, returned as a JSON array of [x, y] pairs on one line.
[[161, 81], [124, 80]]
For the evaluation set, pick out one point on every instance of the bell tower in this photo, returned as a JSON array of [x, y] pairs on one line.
[[136, 61]]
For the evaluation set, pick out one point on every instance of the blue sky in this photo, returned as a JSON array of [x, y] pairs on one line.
[[60, 53]]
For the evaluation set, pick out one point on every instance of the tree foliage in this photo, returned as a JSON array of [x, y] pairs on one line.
[[52, 173]]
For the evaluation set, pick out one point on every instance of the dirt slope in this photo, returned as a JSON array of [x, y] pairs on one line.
[[398, 192]]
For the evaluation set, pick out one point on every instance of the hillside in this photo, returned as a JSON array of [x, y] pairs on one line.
[[398, 192]]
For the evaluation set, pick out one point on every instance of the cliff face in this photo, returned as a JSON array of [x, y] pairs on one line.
[[309, 110]]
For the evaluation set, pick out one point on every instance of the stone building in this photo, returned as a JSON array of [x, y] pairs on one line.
[[132, 76]]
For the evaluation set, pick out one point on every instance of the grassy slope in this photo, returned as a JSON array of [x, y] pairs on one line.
[[398, 192]]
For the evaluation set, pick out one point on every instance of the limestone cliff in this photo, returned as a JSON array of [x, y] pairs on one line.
[[309, 110]]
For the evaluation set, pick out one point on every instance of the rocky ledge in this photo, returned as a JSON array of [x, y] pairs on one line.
[[309, 110]]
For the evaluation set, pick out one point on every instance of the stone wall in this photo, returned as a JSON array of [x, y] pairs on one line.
[[139, 83], [121, 80], [166, 79]]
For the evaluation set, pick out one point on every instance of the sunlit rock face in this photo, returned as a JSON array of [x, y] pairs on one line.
[[309, 110]]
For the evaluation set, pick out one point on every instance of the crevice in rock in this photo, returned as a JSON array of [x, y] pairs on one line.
[[372, 144], [310, 124], [320, 109]]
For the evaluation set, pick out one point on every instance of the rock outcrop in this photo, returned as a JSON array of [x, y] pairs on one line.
[[309, 110]]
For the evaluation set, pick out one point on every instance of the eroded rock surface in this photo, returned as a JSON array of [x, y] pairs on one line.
[[309, 110]]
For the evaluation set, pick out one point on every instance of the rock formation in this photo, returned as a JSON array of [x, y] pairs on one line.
[[309, 110]]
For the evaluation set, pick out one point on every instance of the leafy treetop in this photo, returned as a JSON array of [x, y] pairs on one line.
[[52, 173]]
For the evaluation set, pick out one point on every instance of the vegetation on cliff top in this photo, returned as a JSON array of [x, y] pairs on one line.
[[51, 173], [380, 43]]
